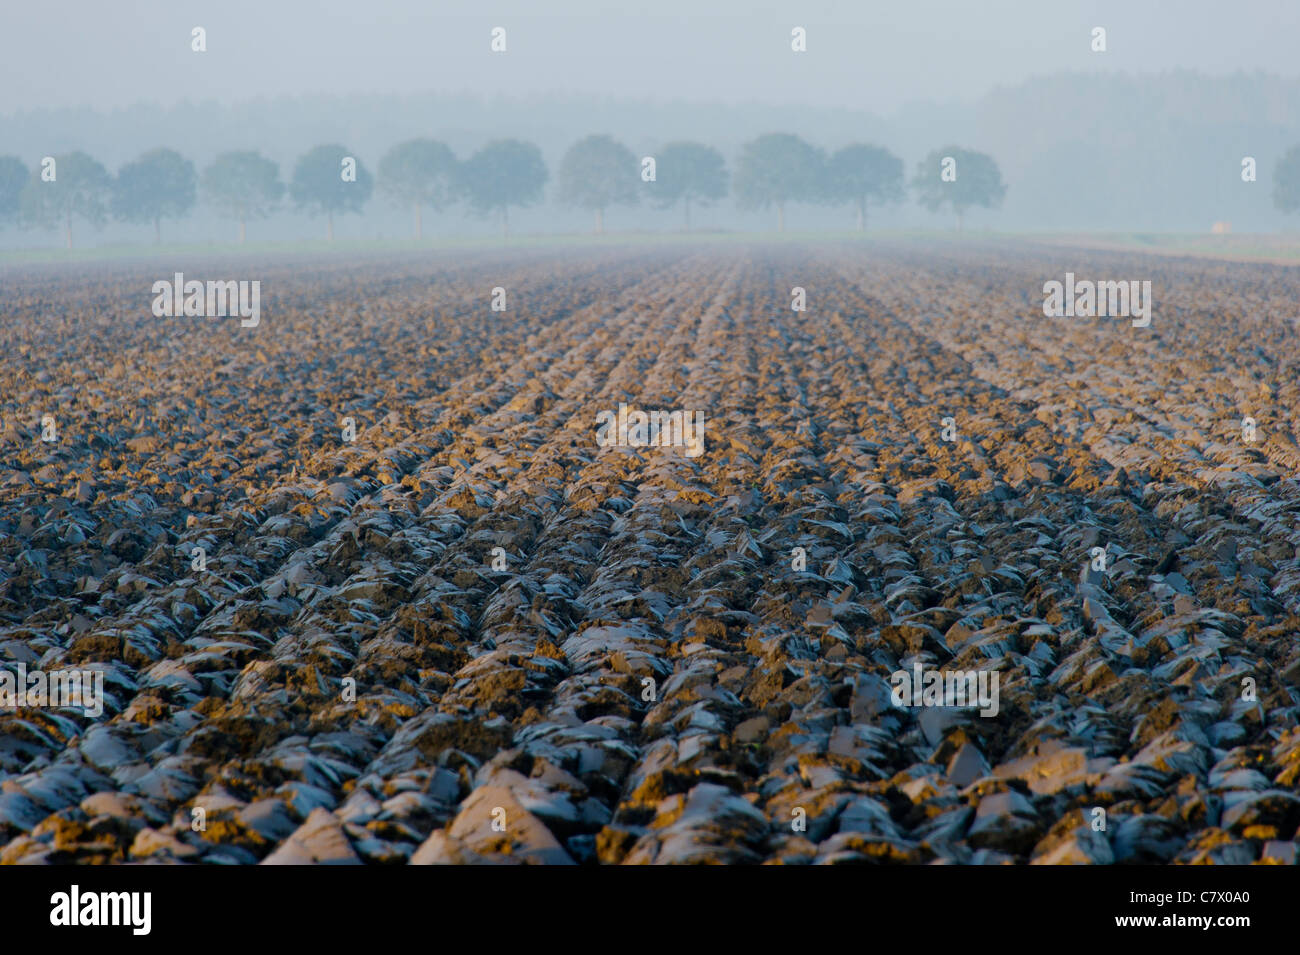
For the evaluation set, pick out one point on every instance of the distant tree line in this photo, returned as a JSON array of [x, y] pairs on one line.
[[595, 174]]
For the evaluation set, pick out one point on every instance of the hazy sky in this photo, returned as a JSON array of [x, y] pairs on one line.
[[867, 54]]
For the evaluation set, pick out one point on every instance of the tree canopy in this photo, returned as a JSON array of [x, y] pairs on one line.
[[320, 182], [688, 172], [1286, 181], [243, 185], [777, 168], [13, 176], [160, 183], [598, 172], [80, 189], [862, 174], [419, 173], [504, 173], [976, 181]]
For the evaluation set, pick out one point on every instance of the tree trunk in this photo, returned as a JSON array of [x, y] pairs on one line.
[[687, 203], [241, 230], [419, 226], [157, 231], [67, 227], [600, 220], [330, 233], [862, 215], [780, 216]]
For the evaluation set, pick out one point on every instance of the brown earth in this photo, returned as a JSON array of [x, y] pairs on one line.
[[351, 680]]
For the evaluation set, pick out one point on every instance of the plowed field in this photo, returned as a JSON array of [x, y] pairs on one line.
[[315, 640]]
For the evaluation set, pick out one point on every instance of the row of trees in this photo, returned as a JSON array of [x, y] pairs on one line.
[[595, 174]]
